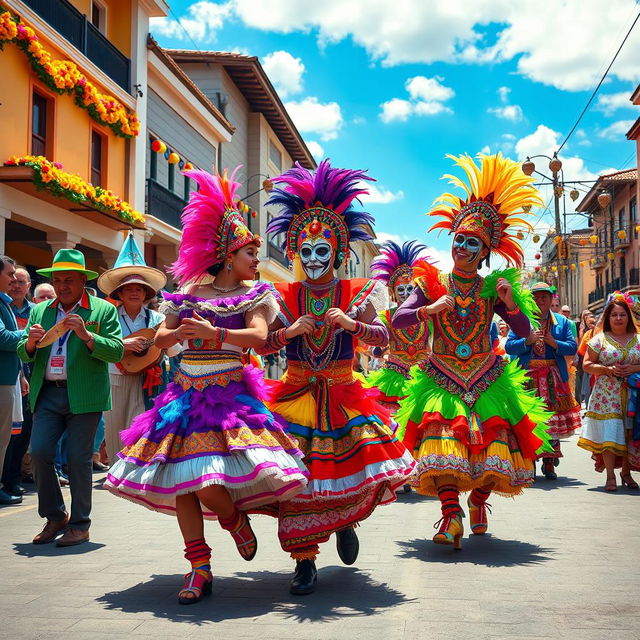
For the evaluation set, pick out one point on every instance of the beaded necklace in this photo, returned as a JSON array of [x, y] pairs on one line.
[[318, 348]]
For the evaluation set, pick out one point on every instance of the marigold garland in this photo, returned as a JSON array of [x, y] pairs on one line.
[[51, 177], [63, 76]]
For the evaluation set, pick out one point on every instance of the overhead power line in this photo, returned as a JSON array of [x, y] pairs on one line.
[[595, 91]]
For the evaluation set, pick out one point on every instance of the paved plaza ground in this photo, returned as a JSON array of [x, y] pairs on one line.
[[560, 562]]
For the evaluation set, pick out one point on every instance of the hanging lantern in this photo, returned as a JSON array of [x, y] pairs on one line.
[[593, 239], [638, 228], [604, 199], [536, 238], [158, 146], [536, 268], [520, 235], [267, 185], [574, 194], [528, 167], [557, 239], [573, 266], [611, 255], [564, 267], [554, 268], [583, 242], [555, 165], [188, 166], [173, 158], [526, 208], [622, 234], [592, 261], [583, 263], [537, 256], [558, 191]]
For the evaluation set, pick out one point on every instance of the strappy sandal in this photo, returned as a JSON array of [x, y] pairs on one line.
[[628, 481], [242, 534], [199, 583]]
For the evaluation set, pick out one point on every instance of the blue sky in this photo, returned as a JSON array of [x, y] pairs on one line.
[[394, 86]]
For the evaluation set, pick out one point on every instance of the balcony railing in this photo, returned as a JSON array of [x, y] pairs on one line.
[[164, 204], [596, 296], [618, 243], [76, 28]]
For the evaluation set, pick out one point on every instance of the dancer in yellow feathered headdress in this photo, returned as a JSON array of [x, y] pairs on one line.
[[469, 420]]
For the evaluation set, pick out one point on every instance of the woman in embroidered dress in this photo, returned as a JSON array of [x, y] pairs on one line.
[[355, 461], [613, 354], [470, 422], [407, 347], [209, 448]]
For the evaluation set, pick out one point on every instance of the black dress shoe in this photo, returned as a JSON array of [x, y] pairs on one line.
[[6, 498], [16, 490], [304, 579], [347, 545]]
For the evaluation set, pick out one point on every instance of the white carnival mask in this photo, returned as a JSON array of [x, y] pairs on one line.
[[316, 257]]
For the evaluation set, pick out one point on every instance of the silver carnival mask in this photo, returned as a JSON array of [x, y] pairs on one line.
[[471, 244], [316, 257], [403, 291]]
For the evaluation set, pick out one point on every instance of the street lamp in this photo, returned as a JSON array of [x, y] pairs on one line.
[[555, 166]]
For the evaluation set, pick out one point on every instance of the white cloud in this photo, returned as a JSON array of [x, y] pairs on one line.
[[511, 112], [507, 111], [317, 151], [396, 109], [285, 72], [610, 102], [202, 22], [415, 31], [427, 98], [378, 194], [503, 93], [428, 89], [441, 258], [312, 116], [617, 130]]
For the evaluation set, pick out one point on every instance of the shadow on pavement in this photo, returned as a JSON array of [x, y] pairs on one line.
[[561, 483], [342, 593], [30, 550], [482, 550], [622, 491], [413, 498]]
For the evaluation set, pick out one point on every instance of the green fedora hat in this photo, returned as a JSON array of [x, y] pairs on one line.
[[68, 260]]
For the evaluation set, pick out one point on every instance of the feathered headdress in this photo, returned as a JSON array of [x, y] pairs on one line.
[[395, 261], [497, 193], [212, 227], [319, 204]]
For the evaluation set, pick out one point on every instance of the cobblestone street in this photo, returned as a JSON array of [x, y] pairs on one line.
[[559, 562]]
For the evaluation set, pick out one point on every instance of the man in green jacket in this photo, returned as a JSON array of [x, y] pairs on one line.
[[69, 391]]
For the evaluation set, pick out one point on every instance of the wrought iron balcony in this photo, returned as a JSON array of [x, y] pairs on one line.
[[596, 296], [78, 30], [164, 204], [618, 242]]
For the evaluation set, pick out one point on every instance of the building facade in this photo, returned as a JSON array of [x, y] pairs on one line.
[[73, 109], [265, 142], [612, 205]]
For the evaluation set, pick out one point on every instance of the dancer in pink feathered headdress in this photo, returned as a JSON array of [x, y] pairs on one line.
[[209, 448]]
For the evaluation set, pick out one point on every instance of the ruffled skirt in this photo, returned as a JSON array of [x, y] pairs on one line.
[[559, 400], [392, 386], [354, 459], [222, 435], [495, 442]]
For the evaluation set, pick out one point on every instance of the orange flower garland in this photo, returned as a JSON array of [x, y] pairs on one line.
[[63, 76], [51, 176]]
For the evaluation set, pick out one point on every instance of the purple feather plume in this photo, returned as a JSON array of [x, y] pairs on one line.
[[392, 255], [332, 188]]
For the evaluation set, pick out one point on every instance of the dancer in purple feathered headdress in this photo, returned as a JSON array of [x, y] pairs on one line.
[[407, 347], [209, 448], [353, 457]]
